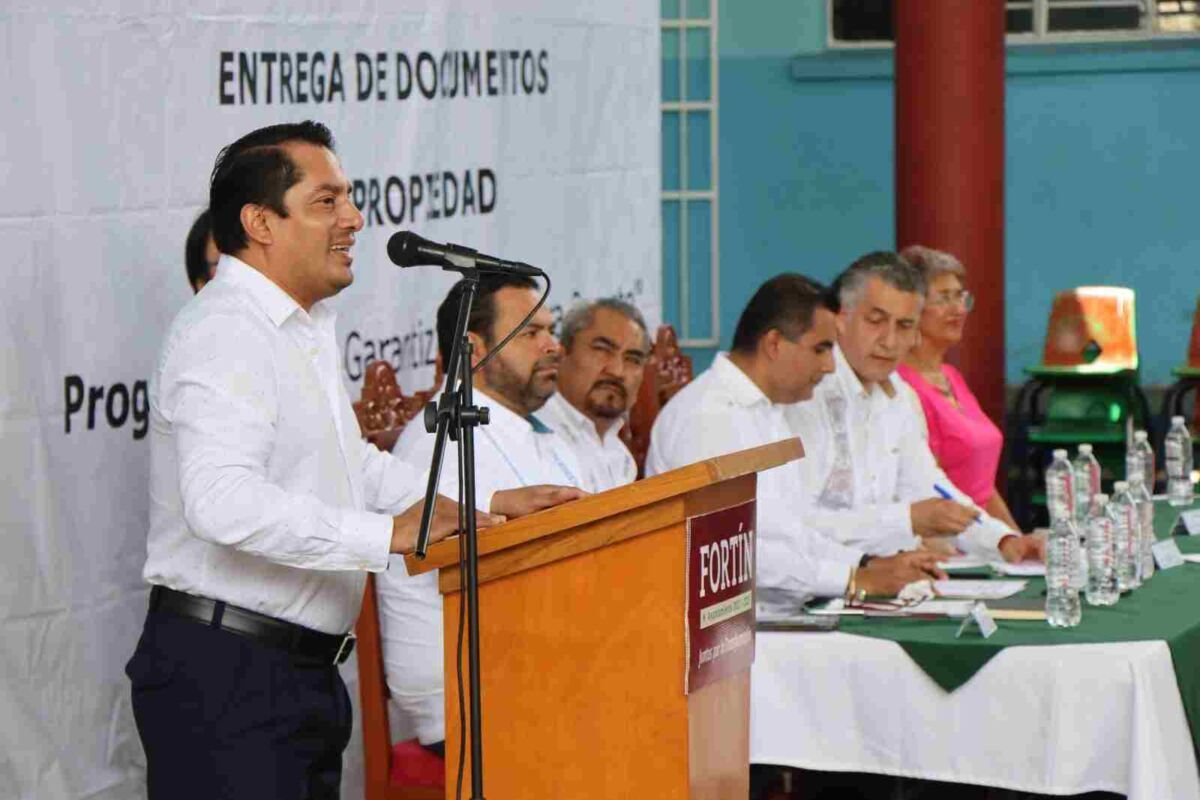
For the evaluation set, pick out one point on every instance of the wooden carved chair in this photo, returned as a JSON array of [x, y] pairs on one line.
[[667, 371], [402, 771], [384, 409]]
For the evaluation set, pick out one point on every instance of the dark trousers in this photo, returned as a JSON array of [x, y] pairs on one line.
[[224, 717]]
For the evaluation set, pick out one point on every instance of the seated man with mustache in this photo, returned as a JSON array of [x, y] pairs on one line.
[[605, 345], [515, 449]]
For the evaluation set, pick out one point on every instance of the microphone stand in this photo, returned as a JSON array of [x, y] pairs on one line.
[[456, 414]]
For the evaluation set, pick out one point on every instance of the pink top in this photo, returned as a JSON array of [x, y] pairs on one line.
[[965, 441]]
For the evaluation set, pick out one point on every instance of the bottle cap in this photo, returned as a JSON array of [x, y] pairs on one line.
[[1177, 420], [1140, 436], [1085, 448], [1059, 453], [1121, 486]]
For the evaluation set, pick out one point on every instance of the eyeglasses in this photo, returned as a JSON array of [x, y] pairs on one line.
[[952, 298]]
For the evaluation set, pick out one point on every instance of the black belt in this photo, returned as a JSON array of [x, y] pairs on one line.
[[303, 642]]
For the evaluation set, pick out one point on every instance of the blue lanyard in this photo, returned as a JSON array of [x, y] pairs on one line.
[[570, 475]]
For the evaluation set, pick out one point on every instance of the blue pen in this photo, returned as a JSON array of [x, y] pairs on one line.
[[947, 496]]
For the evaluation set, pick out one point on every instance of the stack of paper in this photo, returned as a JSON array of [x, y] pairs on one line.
[[977, 590], [962, 562], [1025, 569]]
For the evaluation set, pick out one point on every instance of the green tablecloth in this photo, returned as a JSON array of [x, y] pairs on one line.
[[1166, 608]]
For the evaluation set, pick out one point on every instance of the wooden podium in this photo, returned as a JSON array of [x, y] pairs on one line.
[[583, 646]]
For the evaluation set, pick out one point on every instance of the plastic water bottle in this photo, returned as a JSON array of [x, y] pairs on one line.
[[1178, 447], [1146, 522], [1143, 503], [1061, 503], [1101, 554], [1133, 464], [1060, 488], [1063, 609], [1142, 446], [1135, 473], [1079, 577], [1087, 481], [1126, 537]]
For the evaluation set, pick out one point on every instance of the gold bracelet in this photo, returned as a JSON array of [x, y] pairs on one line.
[[852, 586]]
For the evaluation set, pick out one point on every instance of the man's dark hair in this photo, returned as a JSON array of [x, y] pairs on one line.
[[483, 312], [889, 267], [785, 303], [256, 169], [193, 249]]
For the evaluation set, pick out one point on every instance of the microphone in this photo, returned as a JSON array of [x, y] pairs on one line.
[[406, 249]]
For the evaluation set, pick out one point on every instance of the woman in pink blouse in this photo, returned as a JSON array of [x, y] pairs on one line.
[[965, 441]]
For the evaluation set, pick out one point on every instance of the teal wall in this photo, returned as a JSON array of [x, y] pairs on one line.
[[1103, 162], [1102, 171]]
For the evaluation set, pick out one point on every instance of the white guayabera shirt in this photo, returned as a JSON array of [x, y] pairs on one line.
[[867, 460], [604, 462], [723, 411], [510, 452], [260, 482]]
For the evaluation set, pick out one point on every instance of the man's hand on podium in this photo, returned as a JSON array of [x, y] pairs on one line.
[[528, 499], [445, 522]]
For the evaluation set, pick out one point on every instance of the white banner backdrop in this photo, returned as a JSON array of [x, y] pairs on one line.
[[524, 128]]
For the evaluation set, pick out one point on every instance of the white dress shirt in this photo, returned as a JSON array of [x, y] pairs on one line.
[[723, 411], [604, 461], [259, 479], [510, 452], [867, 460]]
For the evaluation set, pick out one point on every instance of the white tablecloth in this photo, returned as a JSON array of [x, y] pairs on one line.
[[1054, 720]]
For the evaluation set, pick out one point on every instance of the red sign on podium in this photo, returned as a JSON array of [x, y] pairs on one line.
[[720, 595]]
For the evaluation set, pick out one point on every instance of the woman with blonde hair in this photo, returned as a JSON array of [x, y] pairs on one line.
[[965, 441]]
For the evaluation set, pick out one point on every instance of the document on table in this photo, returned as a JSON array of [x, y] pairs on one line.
[[836, 606], [925, 608], [963, 561], [966, 563], [942, 608], [1023, 569], [978, 590]]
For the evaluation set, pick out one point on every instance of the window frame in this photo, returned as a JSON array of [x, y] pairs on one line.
[[1040, 35], [683, 195]]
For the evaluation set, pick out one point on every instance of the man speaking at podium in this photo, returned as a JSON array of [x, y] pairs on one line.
[[782, 348], [266, 506], [521, 466]]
